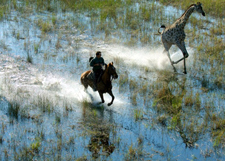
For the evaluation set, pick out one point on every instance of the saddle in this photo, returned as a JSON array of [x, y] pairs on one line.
[[91, 76]]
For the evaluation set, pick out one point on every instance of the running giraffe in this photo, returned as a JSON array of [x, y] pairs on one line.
[[175, 34]]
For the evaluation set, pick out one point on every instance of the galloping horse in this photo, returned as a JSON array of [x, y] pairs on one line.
[[105, 83]]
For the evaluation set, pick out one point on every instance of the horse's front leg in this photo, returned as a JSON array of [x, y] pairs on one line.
[[102, 98], [111, 94]]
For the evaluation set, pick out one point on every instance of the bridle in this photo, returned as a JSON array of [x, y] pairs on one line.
[[112, 75]]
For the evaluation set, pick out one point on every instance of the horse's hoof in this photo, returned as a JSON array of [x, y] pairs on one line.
[[109, 104], [185, 72]]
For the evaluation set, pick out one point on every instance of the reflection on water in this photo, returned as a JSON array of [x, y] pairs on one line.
[[99, 129], [176, 98], [182, 111]]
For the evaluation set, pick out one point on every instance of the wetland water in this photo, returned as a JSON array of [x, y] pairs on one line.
[[156, 115]]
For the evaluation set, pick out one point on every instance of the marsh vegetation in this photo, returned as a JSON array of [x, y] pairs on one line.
[[157, 115]]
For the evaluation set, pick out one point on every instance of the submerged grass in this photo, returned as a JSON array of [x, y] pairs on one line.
[[218, 130], [138, 114], [179, 111], [36, 144]]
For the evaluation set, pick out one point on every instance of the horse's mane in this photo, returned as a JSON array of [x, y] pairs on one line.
[[106, 67], [104, 70]]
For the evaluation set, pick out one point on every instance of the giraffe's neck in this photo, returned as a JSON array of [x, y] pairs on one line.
[[184, 18]]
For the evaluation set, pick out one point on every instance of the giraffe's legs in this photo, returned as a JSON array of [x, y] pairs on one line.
[[171, 62], [185, 53], [167, 47], [185, 72], [175, 62]]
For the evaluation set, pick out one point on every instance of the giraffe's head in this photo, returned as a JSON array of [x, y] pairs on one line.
[[198, 8]]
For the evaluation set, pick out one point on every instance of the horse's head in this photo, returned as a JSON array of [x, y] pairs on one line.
[[112, 70]]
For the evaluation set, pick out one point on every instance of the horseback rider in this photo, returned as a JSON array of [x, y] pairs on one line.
[[97, 64]]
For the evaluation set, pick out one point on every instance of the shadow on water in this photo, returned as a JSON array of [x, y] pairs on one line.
[[98, 128], [181, 112], [169, 102]]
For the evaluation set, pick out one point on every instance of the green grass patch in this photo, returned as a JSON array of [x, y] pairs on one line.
[[214, 8], [36, 144], [138, 114]]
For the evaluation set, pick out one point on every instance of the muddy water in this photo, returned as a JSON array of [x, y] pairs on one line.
[[46, 114]]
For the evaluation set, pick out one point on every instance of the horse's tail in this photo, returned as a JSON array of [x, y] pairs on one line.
[[162, 26], [82, 78], [90, 59]]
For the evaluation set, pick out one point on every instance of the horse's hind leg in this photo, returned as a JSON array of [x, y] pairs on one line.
[[85, 87], [84, 84], [111, 94]]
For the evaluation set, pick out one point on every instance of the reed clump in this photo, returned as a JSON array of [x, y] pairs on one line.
[[36, 144], [45, 26], [1, 139], [138, 114], [162, 119], [123, 81], [29, 58], [13, 109], [132, 153], [218, 130]]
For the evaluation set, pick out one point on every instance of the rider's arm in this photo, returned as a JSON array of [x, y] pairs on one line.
[[103, 62]]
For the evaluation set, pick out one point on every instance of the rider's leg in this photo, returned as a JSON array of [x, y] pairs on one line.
[[96, 80]]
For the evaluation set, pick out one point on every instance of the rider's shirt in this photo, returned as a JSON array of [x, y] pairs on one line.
[[97, 61]]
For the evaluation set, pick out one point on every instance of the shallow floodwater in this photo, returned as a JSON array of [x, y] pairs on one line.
[[46, 114]]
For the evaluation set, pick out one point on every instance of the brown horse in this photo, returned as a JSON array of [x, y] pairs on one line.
[[105, 83]]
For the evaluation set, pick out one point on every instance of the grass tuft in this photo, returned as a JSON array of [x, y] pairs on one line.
[[29, 58], [138, 114], [13, 109], [1, 139], [36, 145]]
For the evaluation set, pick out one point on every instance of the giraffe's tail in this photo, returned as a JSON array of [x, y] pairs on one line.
[[162, 26]]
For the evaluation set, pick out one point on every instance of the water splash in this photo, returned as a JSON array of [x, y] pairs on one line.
[[22, 82], [150, 57]]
